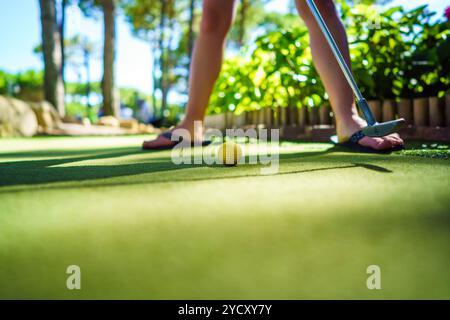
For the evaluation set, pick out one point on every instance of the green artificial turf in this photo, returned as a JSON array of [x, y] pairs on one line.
[[141, 227]]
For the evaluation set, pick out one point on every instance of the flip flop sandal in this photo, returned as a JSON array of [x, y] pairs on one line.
[[168, 135], [353, 144]]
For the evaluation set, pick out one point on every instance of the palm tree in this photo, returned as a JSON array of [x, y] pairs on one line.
[[245, 4], [109, 18], [163, 56], [79, 52], [109, 9], [62, 33], [192, 5], [51, 48]]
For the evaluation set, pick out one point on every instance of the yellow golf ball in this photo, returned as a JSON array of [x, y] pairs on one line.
[[229, 153]]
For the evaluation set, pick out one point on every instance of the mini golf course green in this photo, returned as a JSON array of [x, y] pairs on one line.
[[141, 227]]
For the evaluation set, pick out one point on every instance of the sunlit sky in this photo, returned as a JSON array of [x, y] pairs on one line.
[[20, 33]]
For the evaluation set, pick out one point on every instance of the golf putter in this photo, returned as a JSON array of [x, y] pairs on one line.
[[373, 129]]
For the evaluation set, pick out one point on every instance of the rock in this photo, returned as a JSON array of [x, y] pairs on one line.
[[148, 128], [109, 121], [86, 122], [47, 116], [72, 119], [73, 129], [17, 118], [6, 116], [130, 124]]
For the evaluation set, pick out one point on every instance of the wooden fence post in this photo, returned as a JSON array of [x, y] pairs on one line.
[[268, 117], [437, 116], [248, 118], [255, 118], [405, 110], [302, 116], [261, 117], [313, 116], [276, 118], [324, 114], [239, 120], [282, 115], [287, 111], [229, 120], [375, 106], [447, 110], [420, 106], [293, 116], [388, 110]]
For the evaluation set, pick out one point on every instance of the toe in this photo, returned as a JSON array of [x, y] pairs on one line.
[[384, 144], [378, 143], [392, 140], [397, 138]]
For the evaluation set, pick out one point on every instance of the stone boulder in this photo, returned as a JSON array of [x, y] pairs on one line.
[[16, 118], [47, 116], [130, 124], [109, 121]]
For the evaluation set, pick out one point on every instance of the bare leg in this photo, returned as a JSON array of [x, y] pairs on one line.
[[206, 65], [341, 96]]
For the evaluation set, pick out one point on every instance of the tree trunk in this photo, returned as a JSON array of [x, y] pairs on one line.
[[51, 46], [88, 76], [191, 30], [154, 79], [162, 58], [190, 41], [167, 67], [62, 33], [243, 17], [109, 15]]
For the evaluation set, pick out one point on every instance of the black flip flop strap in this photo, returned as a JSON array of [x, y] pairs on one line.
[[169, 134], [357, 136]]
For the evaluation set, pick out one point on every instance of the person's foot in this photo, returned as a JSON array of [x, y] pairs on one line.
[[356, 123], [189, 131]]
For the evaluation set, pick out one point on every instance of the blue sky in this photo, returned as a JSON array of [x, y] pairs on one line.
[[20, 33]]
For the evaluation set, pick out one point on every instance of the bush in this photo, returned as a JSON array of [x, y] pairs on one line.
[[395, 53], [27, 85]]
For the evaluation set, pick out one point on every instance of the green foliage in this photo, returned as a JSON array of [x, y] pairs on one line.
[[404, 56], [165, 25], [434, 150], [5, 82], [431, 59], [90, 8], [130, 97], [395, 53], [26, 85], [29, 79], [79, 110], [79, 89], [279, 72]]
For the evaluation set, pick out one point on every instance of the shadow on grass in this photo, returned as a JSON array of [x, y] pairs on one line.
[[61, 153], [48, 171]]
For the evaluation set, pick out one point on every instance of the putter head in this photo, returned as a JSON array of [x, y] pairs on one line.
[[384, 128]]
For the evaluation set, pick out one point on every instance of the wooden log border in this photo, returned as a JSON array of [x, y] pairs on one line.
[[418, 112]]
